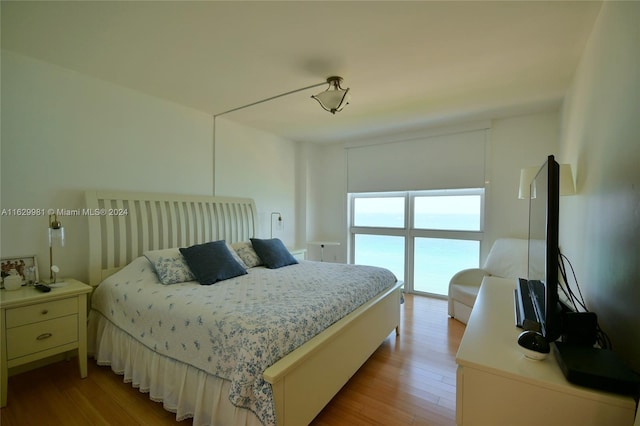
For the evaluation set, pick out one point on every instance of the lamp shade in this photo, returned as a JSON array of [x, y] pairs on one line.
[[527, 174], [335, 98], [56, 239], [56, 232], [526, 177], [566, 180]]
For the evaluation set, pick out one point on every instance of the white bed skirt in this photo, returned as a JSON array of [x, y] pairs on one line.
[[184, 390]]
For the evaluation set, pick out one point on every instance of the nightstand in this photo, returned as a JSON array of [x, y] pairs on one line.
[[36, 325], [322, 245], [299, 254]]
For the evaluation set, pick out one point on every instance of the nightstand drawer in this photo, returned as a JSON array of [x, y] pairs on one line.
[[41, 312], [41, 336]]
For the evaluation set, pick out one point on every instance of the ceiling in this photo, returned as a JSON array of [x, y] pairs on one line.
[[408, 64]]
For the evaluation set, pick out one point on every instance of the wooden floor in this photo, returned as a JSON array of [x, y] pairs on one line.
[[409, 380]]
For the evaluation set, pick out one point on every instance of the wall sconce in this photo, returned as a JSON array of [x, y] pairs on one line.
[[566, 181], [279, 221], [56, 238]]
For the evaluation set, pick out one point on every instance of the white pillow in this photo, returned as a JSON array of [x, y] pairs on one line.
[[170, 266], [248, 255], [236, 256]]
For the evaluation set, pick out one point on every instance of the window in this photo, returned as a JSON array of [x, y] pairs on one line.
[[376, 211], [448, 212], [380, 250], [435, 261], [424, 237]]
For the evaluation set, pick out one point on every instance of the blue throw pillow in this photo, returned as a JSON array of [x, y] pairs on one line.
[[212, 262], [273, 253]]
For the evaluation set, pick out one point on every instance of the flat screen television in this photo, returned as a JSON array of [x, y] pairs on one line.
[[543, 254]]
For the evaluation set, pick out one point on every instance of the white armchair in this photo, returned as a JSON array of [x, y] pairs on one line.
[[507, 259]]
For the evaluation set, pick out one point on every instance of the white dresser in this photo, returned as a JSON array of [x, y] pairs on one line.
[[36, 325], [497, 385]]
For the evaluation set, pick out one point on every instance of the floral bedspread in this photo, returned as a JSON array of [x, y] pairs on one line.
[[237, 328]]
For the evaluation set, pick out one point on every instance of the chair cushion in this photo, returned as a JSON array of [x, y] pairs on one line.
[[464, 293], [508, 258]]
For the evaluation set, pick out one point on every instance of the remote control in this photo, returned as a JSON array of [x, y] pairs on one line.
[[43, 288]]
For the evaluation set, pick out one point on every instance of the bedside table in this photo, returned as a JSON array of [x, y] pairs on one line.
[[36, 325], [299, 254]]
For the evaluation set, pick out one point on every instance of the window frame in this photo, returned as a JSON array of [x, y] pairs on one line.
[[409, 232]]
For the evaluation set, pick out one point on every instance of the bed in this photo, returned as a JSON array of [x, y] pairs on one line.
[[185, 359]]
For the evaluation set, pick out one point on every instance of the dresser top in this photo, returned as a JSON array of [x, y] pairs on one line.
[[27, 295], [490, 344]]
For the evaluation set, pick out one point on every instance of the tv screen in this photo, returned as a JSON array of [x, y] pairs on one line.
[[543, 244]]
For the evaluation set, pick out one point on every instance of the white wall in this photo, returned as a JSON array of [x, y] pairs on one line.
[[63, 133], [600, 226], [516, 142], [326, 202], [262, 166]]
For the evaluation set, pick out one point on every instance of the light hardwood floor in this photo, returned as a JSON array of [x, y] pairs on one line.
[[409, 380]]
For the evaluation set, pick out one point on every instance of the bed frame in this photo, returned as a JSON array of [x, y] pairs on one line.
[[122, 225]]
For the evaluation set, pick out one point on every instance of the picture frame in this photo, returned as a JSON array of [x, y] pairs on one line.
[[26, 266]]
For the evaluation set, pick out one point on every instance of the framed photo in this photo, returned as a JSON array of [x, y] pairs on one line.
[[25, 266]]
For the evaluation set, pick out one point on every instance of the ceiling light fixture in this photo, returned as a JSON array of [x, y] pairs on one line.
[[335, 98]]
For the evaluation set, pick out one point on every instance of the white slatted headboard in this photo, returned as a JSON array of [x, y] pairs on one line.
[[123, 225]]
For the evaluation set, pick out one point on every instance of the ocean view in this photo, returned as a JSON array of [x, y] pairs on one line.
[[435, 260]]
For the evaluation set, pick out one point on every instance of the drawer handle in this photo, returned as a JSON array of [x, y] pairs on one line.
[[45, 312], [44, 336]]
